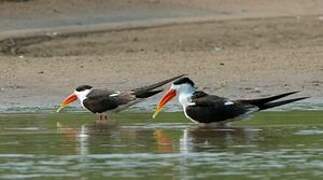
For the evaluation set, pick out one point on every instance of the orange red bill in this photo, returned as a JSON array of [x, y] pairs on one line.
[[167, 97]]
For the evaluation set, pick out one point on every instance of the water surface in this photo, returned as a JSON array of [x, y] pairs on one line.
[[282, 145]]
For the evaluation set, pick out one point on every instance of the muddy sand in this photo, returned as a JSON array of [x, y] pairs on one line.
[[238, 50]]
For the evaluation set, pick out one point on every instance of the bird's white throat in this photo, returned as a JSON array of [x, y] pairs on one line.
[[81, 96], [185, 93]]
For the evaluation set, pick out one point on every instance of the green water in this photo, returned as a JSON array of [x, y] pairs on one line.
[[270, 145]]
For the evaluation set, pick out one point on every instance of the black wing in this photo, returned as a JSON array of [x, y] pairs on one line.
[[209, 108], [150, 90], [99, 101]]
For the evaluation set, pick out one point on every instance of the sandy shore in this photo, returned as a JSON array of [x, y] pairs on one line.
[[253, 51]]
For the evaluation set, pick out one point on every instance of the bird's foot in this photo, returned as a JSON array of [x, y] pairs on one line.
[[102, 119]]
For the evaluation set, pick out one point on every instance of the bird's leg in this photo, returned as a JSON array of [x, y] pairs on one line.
[[105, 116], [99, 117], [102, 119]]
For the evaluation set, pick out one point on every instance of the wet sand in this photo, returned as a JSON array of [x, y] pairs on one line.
[[237, 51]]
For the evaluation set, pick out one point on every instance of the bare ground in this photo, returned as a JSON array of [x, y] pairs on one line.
[[238, 58]]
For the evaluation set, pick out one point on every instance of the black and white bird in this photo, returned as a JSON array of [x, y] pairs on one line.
[[102, 100], [201, 107]]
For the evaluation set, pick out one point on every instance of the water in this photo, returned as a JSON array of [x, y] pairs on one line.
[[279, 145]]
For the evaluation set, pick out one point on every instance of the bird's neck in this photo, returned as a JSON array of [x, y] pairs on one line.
[[82, 95], [185, 96]]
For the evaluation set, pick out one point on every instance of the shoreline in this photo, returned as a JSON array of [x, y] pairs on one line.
[[232, 50], [11, 41], [307, 105], [79, 30], [234, 65]]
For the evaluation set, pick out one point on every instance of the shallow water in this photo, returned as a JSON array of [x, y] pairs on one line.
[[285, 145]]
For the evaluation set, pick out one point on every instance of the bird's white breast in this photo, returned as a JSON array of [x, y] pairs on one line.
[[186, 100], [82, 95]]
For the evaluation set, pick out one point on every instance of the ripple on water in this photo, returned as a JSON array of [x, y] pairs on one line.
[[309, 132], [158, 125], [217, 163], [24, 129]]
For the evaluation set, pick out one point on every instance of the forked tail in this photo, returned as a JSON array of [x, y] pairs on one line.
[[279, 103], [269, 102]]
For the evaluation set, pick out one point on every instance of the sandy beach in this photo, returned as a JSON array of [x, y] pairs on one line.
[[229, 48]]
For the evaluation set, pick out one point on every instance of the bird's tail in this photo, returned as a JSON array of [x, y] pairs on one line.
[[147, 91], [280, 103], [266, 103]]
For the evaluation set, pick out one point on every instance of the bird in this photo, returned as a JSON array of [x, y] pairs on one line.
[[201, 107], [100, 101]]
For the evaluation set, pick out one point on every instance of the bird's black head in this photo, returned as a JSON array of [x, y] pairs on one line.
[[184, 80], [83, 87]]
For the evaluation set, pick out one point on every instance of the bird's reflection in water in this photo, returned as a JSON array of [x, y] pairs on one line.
[[114, 138], [206, 138], [110, 137], [85, 130], [81, 137], [163, 141]]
